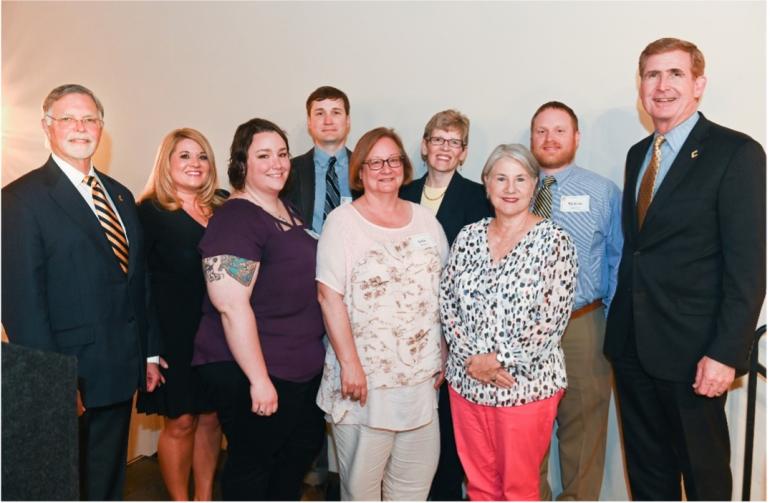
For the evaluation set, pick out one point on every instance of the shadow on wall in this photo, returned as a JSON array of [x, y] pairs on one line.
[[103, 156], [612, 134]]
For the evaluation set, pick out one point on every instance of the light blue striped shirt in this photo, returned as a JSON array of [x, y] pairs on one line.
[[587, 206], [321, 162], [668, 151]]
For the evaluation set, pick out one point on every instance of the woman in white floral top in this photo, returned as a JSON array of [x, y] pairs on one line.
[[506, 298], [378, 270]]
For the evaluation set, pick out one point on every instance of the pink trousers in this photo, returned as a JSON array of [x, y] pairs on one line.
[[501, 448]]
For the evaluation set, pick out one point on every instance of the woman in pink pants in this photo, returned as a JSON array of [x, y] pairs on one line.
[[506, 295]]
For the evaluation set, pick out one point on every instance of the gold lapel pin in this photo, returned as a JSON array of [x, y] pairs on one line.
[[693, 154], [120, 196]]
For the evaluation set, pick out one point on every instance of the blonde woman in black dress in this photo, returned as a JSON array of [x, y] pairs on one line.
[[180, 196]]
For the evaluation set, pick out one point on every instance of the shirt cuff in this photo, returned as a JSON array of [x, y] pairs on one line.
[[153, 359]]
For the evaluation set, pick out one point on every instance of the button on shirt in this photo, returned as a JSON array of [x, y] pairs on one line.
[[668, 151], [595, 230], [321, 162]]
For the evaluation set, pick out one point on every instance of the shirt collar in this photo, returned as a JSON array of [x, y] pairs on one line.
[[677, 136], [321, 157], [75, 175], [561, 176]]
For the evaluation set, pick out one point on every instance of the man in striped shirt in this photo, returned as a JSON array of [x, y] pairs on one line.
[[587, 206]]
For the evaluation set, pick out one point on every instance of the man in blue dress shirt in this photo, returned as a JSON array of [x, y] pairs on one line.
[[318, 183], [587, 206], [313, 187]]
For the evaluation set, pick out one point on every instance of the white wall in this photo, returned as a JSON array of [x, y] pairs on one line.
[[212, 66]]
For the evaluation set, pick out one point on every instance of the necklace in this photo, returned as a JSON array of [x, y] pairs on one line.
[[258, 202], [426, 196]]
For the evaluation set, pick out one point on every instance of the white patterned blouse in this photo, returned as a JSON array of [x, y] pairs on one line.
[[389, 280], [517, 308]]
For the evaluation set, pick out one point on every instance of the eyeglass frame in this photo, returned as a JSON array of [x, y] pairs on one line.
[[70, 122], [440, 141], [383, 162]]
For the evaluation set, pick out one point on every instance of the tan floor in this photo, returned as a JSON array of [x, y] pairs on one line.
[[144, 483]]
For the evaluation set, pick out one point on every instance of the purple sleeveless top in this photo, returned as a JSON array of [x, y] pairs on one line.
[[284, 298]]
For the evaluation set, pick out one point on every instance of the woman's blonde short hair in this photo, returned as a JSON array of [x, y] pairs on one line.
[[160, 187]]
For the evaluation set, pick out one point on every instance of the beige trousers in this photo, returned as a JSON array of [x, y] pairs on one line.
[[582, 414], [386, 465]]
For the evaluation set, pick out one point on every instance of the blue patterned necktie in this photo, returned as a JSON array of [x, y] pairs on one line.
[[332, 188]]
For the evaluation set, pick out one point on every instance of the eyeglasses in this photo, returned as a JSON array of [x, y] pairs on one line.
[[70, 122], [438, 141], [394, 162]]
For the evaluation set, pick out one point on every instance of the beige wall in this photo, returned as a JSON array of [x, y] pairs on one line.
[[211, 66], [157, 66]]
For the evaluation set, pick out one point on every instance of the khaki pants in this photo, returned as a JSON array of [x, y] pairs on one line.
[[386, 465], [582, 414]]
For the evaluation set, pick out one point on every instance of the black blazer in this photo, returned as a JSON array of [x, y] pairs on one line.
[[62, 289], [300, 188], [692, 280], [464, 202]]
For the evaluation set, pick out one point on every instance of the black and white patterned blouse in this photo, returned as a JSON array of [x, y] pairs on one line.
[[517, 308]]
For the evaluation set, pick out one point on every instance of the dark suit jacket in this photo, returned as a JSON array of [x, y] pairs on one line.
[[300, 188], [692, 280], [464, 202], [62, 288]]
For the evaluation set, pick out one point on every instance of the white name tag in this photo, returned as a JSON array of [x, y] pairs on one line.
[[575, 204], [423, 241], [345, 200]]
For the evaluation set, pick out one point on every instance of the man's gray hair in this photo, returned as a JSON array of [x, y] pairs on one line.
[[66, 89]]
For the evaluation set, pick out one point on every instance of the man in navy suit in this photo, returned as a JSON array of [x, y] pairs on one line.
[[328, 122], [690, 285], [73, 282]]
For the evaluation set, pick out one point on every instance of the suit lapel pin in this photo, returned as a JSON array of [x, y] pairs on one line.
[[120, 196], [694, 154]]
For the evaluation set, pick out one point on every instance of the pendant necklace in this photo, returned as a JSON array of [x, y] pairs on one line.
[[262, 205]]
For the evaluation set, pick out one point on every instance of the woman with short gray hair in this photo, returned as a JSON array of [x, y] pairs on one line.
[[506, 296]]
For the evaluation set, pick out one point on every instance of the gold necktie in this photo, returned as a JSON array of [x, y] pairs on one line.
[[544, 199], [110, 223], [644, 199]]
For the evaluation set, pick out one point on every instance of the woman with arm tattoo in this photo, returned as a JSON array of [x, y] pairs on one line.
[[259, 346]]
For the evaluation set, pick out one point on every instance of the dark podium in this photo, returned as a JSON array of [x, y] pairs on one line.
[[39, 425]]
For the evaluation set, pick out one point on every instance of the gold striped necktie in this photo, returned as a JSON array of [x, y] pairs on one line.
[[544, 198], [110, 223], [644, 200]]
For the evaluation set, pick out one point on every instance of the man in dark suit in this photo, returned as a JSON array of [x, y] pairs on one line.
[[317, 184], [314, 188], [691, 282], [73, 282]]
